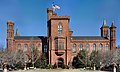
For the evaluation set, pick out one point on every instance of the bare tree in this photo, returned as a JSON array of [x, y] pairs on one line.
[[35, 55], [1, 55]]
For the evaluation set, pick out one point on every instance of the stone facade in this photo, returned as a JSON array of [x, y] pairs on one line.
[[59, 44]]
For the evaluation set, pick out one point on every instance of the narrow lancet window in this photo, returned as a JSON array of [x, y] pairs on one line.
[[60, 28]]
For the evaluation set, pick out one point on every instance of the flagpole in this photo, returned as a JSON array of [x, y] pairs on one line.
[[54, 6]]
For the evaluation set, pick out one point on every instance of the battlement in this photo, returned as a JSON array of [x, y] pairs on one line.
[[49, 9], [60, 17], [52, 15]]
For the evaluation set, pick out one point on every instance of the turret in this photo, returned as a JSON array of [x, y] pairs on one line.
[[104, 29], [17, 32], [112, 36], [10, 35], [50, 13]]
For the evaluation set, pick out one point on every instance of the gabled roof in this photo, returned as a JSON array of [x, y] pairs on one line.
[[88, 38], [30, 37]]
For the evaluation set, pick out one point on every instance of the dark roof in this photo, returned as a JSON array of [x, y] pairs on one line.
[[30, 37], [88, 38]]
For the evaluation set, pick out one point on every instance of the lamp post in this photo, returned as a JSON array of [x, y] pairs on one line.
[[114, 67], [5, 67], [1, 63], [33, 63], [25, 65], [94, 67]]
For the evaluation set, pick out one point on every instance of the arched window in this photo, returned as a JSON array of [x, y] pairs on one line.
[[56, 44], [100, 46], [45, 48], [106, 47], [61, 45], [94, 47], [87, 46], [60, 28], [38, 47], [74, 48], [19, 46], [32, 47], [81, 46], [111, 33], [25, 47]]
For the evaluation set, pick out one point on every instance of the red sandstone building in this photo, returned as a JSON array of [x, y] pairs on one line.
[[59, 44]]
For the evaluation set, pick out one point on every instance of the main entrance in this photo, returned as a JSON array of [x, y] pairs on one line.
[[60, 63]]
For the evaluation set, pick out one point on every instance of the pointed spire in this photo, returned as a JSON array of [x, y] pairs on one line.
[[112, 24], [104, 22], [17, 32]]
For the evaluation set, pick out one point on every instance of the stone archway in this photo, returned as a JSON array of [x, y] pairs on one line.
[[60, 62]]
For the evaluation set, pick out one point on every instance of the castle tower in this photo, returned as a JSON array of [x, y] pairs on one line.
[[104, 29], [112, 36], [58, 32], [10, 35]]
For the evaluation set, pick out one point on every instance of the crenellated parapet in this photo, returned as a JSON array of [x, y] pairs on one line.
[[52, 15], [10, 22], [60, 17]]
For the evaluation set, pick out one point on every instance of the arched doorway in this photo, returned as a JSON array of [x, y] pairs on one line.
[[60, 62]]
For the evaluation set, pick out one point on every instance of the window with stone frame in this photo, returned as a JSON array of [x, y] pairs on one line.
[[94, 47], [45, 48], [19, 47], [38, 47], [9, 27], [106, 47], [87, 47], [61, 45], [32, 47], [74, 48], [56, 44], [100, 47], [60, 28], [112, 33], [81, 46], [25, 47]]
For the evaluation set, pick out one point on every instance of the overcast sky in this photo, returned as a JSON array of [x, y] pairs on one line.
[[86, 16]]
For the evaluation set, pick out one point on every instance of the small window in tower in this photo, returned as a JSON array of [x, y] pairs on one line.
[[112, 33], [45, 48], [25, 47], [11, 34], [7, 26], [10, 27], [60, 28], [74, 48]]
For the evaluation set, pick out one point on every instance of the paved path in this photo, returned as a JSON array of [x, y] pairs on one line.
[[57, 70]]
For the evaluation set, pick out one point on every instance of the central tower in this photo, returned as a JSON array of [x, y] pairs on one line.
[[58, 32]]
